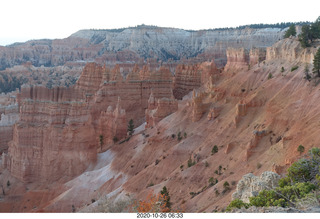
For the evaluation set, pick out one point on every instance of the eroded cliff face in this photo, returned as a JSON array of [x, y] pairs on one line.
[[257, 122], [131, 44], [159, 109], [291, 51], [7, 119], [193, 76], [53, 137], [60, 130], [103, 88]]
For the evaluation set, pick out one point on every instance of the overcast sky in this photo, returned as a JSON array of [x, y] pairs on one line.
[[22, 20]]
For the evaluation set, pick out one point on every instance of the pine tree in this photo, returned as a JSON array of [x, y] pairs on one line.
[[315, 29], [130, 127], [305, 36], [291, 31], [164, 192], [316, 64]]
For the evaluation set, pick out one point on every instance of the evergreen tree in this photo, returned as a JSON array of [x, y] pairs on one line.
[[291, 31], [166, 197], [315, 29], [305, 36], [316, 64], [130, 127]]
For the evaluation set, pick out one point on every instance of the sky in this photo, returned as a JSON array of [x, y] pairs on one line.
[[22, 20]]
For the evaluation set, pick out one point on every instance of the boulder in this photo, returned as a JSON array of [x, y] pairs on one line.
[[250, 185]]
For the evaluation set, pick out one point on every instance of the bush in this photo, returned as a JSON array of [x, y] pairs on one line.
[[212, 181], [259, 165], [284, 182], [214, 150], [282, 69], [237, 203], [300, 171], [191, 163], [282, 196], [8, 183], [115, 139], [270, 76], [173, 136], [179, 136], [294, 68], [226, 185], [300, 149]]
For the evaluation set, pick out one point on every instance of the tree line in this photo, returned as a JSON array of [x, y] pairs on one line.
[[309, 33]]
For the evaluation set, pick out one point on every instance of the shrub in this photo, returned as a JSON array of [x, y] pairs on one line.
[[282, 196], [179, 136], [8, 183], [282, 69], [220, 168], [185, 135], [150, 184], [214, 150], [206, 164], [259, 165], [294, 68], [153, 203], [115, 139], [191, 163], [300, 171], [270, 76], [300, 149], [226, 185], [212, 181], [173, 135], [237, 203], [285, 181]]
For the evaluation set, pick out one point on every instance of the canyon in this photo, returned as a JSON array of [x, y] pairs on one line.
[[64, 147]]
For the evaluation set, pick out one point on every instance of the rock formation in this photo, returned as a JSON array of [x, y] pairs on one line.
[[250, 185], [256, 137], [290, 50], [53, 138], [189, 77], [237, 59], [198, 108], [257, 55], [131, 44], [214, 112], [112, 125], [9, 115], [159, 109]]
